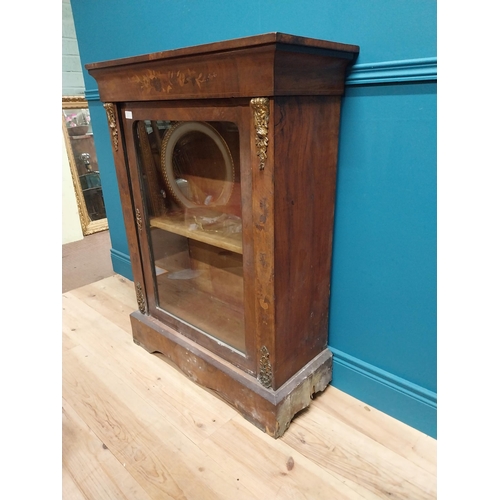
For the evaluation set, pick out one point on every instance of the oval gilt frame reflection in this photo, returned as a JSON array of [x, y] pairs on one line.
[[169, 142]]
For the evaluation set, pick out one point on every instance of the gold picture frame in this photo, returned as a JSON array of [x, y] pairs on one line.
[[91, 222]]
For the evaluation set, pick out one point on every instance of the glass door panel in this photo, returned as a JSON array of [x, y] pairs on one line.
[[190, 175]]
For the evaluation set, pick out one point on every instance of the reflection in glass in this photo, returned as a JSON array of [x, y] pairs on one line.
[[80, 141], [191, 178]]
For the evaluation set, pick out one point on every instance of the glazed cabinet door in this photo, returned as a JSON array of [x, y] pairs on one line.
[[190, 177]]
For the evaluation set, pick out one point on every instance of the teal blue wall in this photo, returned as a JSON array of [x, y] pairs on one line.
[[383, 301]]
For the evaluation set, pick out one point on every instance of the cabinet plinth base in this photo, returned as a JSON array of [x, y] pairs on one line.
[[269, 410]]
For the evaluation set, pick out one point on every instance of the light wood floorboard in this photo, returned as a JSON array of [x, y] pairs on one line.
[[136, 428]]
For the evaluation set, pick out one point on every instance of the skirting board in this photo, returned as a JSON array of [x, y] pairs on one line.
[[386, 392], [121, 264]]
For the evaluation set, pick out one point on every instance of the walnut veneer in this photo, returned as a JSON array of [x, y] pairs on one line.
[[251, 322]]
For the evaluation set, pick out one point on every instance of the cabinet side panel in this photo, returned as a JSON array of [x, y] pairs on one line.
[[302, 73], [305, 160]]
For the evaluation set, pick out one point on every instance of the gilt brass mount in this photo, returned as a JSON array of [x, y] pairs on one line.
[[141, 302], [265, 371], [260, 106], [110, 113]]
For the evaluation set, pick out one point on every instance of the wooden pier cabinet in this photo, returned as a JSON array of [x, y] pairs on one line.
[[226, 158]]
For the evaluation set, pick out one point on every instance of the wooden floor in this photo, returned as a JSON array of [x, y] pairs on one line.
[[135, 428]]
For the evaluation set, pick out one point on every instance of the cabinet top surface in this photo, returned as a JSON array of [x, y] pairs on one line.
[[291, 41]]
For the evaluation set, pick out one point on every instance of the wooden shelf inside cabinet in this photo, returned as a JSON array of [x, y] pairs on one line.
[[179, 225], [245, 129]]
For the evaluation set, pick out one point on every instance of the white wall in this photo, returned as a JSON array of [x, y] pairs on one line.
[[72, 84], [72, 76]]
